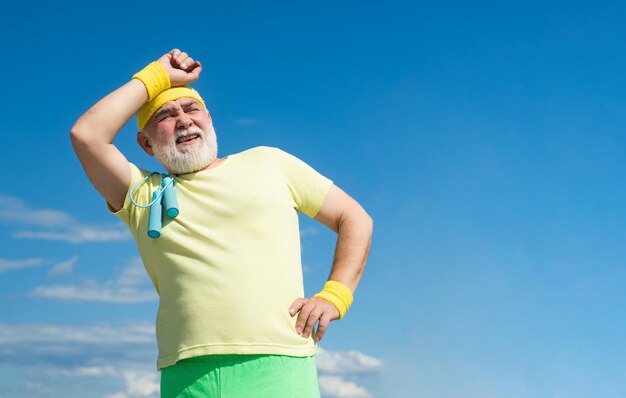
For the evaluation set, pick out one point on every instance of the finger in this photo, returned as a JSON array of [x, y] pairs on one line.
[[322, 326], [187, 64], [314, 316], [180, 59], [172, 55], [302, 318], [296, 305]]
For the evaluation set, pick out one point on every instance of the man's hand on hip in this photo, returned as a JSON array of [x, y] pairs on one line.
[[311, 311], [180, 67]]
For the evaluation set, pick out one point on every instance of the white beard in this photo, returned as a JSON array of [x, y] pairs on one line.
[[187, 159]]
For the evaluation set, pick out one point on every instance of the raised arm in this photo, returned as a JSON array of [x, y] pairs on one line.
[[93, 133], [354, 227]]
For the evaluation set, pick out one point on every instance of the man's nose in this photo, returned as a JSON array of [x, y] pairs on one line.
[[183, 121]]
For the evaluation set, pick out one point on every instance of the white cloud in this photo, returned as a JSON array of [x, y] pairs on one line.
[[83, 351], [55, 225], [91, 291], [335, 367], [350, 362], [78, 234], [15, 211], [84, 371], [124, 354], [139, 385], [65, 267], [38, 334], [134, 274], [72, 356], [7, 265], [37, 388], [77, 348], [131, 287], [309, 231], [336, 387]]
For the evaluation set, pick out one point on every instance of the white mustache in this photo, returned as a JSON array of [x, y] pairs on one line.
[[189, 131]]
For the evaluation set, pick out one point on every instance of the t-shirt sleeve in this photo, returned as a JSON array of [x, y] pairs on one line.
[[307, 186], [141, 195]]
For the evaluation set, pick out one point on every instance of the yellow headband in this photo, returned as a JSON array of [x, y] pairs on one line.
[[171, 94]]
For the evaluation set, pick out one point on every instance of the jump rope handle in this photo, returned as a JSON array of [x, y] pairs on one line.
[[155, 222], [164, 197], [169, 197]]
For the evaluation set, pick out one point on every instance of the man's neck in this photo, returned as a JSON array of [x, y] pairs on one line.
[[216, 162]]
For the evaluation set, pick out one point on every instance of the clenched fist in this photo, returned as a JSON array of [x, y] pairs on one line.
[[180, 67]]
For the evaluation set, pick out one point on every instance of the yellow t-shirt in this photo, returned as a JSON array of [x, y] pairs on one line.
[[228, 267]]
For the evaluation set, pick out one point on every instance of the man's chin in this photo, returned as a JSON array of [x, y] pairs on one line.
[[192, 159], [194, 169], [188, 167]]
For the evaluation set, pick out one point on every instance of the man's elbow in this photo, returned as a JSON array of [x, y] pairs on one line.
[[77, 139], [74, 136], [85, 131], [78, 135], [362, 220], [368, 221], [83, 137]]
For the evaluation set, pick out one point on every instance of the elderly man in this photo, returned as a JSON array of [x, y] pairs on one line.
[[225, 256]]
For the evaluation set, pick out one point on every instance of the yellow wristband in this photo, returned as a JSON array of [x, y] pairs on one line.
[[155, 78], [338, 295]]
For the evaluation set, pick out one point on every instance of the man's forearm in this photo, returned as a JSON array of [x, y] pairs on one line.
[[354, 236], [353, 244], [101, 123]]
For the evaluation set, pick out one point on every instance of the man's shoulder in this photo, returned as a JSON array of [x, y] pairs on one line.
[[139, 172], [262, 152]]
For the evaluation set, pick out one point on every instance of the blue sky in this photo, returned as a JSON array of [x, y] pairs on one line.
[[485, 139]]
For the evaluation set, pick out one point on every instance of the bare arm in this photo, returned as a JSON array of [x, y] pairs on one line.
[[92, 138], [354, 227], [93, 133]]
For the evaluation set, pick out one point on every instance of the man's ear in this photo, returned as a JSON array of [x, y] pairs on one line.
[[144, 142]]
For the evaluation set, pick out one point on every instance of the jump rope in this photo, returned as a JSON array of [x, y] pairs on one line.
[[163, 198]]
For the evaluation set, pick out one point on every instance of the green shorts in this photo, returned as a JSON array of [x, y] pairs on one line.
[[241, 376]]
